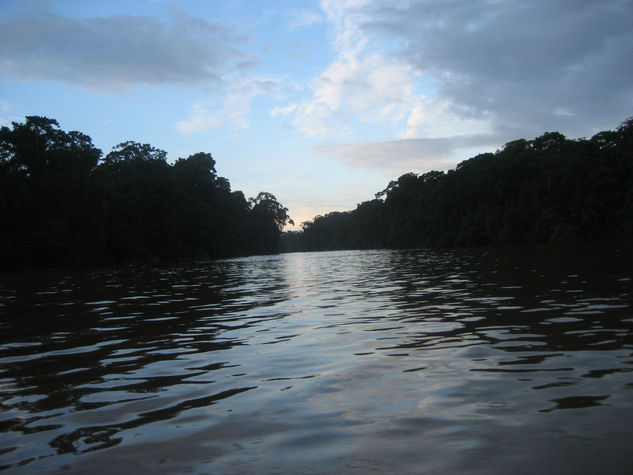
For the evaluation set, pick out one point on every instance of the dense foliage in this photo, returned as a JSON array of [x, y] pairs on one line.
[[550, 189], [62, 203]]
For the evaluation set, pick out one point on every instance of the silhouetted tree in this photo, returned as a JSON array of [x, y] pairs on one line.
[[60, 206], [531, 191], [268, 218], [44, 173]]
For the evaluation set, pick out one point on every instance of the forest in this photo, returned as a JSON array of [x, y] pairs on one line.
[[547, 190], [62, 203]]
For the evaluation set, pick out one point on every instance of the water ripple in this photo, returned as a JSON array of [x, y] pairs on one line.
[[318, 362]]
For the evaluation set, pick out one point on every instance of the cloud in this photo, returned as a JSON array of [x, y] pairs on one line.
[[283, 111], [478, 69], [357, 86], [437, 117], [114, 53], [371, 83], [6, 115], [303, 18], [200, 119], [397, 156], [233, 110], [518, 64]]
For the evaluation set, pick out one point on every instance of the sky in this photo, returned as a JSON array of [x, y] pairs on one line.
[[321, 103]]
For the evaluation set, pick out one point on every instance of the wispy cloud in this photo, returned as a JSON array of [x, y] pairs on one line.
[[233, 109], [6, 116], [361, 84], [200, 119], [303, 18], [357, 87], [397, 156]]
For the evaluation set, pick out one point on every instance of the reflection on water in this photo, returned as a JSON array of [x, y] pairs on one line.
[[417, 361]]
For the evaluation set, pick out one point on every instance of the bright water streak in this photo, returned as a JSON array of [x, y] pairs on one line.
[[388, 361]]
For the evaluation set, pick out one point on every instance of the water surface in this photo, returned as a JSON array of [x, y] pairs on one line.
[[355, 361]]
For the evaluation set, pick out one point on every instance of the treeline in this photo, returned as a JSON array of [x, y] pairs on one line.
[[63, 203], [550, 189]]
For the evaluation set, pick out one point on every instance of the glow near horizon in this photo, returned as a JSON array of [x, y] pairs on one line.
[[320, 103]]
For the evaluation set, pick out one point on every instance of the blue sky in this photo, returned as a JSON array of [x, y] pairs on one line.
[[321, 103]]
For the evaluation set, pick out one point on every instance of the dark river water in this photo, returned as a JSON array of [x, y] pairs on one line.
[[338, 362]]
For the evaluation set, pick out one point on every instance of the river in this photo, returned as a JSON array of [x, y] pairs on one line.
[[336, 362]]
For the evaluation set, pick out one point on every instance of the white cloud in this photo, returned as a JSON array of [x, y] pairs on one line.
[[302, 18], [5, 109], [367, 87], [340, 14], [233, 110], [200, 119], [439, 118], [369, 82], [283, 111]]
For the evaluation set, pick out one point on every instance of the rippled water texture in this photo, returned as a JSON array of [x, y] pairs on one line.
[[363, 361]]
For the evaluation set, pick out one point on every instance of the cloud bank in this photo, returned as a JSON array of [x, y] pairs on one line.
[[527, 65], [484, 69], [113, 53]]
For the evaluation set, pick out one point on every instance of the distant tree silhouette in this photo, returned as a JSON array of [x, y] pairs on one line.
[[549, 189], [61, 204], [267, 219]]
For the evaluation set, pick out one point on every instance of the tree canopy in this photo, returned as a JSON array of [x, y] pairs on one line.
[[63, 203], [549, 189]]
